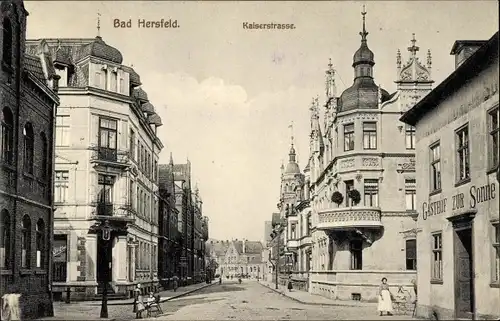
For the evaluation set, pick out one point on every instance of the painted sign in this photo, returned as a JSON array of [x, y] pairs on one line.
[[475, 196]]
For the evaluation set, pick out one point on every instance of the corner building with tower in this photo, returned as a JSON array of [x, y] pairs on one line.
[[362, 187]]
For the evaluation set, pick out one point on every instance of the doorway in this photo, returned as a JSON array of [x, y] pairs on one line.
[[104, 268], [464, 273]]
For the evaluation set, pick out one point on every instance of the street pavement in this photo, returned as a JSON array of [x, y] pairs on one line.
[[253, 301]]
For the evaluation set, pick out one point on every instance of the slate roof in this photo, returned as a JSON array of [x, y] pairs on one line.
[[33, 65], [219, 247]]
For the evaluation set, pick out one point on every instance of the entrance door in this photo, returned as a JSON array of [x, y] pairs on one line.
[[104, 250], [464, 274]]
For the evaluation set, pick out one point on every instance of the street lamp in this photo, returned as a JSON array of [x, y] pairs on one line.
[[105, 228]]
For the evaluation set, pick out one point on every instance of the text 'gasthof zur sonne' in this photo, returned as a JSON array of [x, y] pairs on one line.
[[147, 24]]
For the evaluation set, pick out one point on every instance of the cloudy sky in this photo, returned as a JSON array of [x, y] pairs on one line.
[[227, 95]]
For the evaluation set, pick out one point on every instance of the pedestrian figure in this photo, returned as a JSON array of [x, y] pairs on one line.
[[290, 285], [137, 292], [384, 298], [176, 283], [139, 303], [220, 279]]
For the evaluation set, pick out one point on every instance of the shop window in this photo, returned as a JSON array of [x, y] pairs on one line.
[[60, 258]]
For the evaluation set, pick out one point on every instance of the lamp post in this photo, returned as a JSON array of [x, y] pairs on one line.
[[105, 228]]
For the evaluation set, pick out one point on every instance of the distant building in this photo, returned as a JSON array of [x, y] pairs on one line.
[[457, 148], [243, 259], [28, 101], [268, 229], [217, 252], [107, 146]]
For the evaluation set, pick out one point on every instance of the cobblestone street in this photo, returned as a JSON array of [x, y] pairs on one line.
[[253, 301]]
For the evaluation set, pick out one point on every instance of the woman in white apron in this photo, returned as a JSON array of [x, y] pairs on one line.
[[384, 298]]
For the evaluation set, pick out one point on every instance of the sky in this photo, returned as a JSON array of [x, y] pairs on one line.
[[227, 95]]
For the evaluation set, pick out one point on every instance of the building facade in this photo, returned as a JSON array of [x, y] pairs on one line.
[[170, 236], [217, 253], [243, 259], [28, 100], [106, 146], [362, 180], [457, 146]]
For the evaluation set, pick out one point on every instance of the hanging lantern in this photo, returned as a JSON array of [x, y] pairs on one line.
[[106, 231]]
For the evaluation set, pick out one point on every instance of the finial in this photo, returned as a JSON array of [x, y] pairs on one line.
[[291, 130], [98, 24], [330, 63], [398, 59], [413, 49], [429, 59], [364, 33]]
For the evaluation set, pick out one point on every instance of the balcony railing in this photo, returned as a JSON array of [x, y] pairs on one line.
[[355, 217], [104, 209], [110, 156]]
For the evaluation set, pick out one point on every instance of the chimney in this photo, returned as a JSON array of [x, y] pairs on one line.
[[244, 245], [463, 49]]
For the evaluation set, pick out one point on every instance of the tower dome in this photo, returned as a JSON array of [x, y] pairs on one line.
[[364, 93], [292, 167], [99, 49]]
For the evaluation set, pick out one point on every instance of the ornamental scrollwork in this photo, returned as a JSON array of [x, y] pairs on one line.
[[347, 163], [370, 161], [408, 166]]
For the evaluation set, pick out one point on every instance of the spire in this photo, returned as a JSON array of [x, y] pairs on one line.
[[330, 80], [364, 33], [413, 49], [171, 162], [292, 149], [429, 59], [98, 24]]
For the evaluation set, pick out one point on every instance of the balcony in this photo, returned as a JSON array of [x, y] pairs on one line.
[[104, 209], [346, 218], [109, 157]]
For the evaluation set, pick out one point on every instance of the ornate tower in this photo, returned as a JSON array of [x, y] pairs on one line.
[[292, 182], [413, 78]]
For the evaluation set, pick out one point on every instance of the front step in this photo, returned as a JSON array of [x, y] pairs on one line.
[[111, 297]]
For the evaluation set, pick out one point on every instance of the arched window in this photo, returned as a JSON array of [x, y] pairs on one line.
[[26, 243], [5, 239], [7, 41], [44, 168], [29, 145], [7, 135], [40, 244]]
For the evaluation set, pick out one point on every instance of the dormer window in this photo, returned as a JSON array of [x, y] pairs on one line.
[[7, 41], [62, 71]]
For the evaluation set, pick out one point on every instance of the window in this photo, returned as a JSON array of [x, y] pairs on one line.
[[29, 145], [371, 192], [5, 240], [107, 139], [40, 244], [62, 130], [131, 195], [437, 257], [496, 249], [309, 225], [7, 41], [132, 144], [462, 139], [349, 185], [370, 135], [435, 167], [410, 194], [7, 136], [356, 249], [411, 254], [410, 136], [155, 171], [105, 196], [293, 231], [348, 137], [493, 147], [114, 82], [60, 258], [104, 78], [26, 243], [61, 185], [44, 168]]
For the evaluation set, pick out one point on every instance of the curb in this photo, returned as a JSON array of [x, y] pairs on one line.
[[313, 303], [161, 299]]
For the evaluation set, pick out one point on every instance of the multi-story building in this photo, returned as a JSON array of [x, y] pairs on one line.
[[28, 100], [243, 259], [169, 244], [457, 145], [106, 171], [362, 180], [217, 252]]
